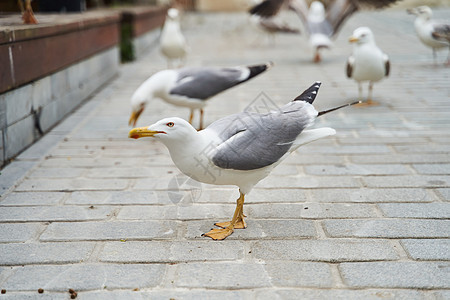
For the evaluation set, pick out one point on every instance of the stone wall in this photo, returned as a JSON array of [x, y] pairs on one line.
[[49, 69]]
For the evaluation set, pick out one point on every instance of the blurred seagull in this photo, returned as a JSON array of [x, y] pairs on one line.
[[190, 87], [172, 42], [240, 149], [433, 34], [368, 62], [321, 24]]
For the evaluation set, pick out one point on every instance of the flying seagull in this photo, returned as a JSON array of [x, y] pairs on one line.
[[240, 149], [321, 23], [190, 87], [172, 42], [433, 34], [368, 62]]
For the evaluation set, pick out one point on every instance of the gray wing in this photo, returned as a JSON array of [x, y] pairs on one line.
[[339, 10], [203, 83], [441, 32], [252, 141]]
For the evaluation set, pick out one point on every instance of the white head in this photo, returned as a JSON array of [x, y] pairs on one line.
[[151, 88], [169, 130], [316, 11], [362, 35], [172, 13], [422, 12]]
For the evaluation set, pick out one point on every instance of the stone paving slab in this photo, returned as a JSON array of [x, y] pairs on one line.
[[360, 215]]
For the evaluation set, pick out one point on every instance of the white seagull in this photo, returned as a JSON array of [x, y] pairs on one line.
[[434, 34], [190, 87], [368, 62], [240, 149], [172, 42], [321, 23]]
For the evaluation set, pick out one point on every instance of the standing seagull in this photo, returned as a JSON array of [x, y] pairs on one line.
[[431, 33], [321, 24], [240, 149], [190, 87], [172, 42], [368, 62]]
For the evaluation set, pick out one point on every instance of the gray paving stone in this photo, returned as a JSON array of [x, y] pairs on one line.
[[12, 173], [146, 172], [256, 229], [299, 274], [44, 253], [84, 277], [118, 197], [41, 147], [90, 231], [259, 195], [445, 193], [54, 213], [418, 275], [353, 169], [441, 295], [32, 295], [434, 169], [56, 173], [18, 232], [164, 294], [179, 251], [32, 198], [373, 195], [310, 210], [341, 294], [400, 158], [72, 184], [324, 250], [388, 228], [308, 182], [221, 275], [428, 181], [428, 249], [152, 212], [434, 210]]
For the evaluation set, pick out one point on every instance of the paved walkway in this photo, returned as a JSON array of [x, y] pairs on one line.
[[362, 215]]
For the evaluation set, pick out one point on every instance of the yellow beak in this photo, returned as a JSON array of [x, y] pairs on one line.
[[139, 132], [353, 39], [135, 116]]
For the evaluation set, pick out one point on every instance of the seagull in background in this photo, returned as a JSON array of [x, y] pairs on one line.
[[433, 34], [172, 42], [368, 62], [190, 87], [27, 12], [321, 23], [239, 149]]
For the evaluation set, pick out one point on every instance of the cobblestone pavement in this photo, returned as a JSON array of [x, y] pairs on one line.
[[361, 215]]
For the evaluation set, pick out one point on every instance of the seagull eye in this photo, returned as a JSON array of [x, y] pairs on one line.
[[170, 124]]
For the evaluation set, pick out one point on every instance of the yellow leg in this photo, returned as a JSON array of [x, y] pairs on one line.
[[201, 119], [191, 116], [228, 227]]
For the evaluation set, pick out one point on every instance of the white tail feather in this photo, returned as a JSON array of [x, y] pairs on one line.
[[312, 135]]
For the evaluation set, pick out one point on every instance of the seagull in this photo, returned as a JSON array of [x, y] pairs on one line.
[[172, 42], [322, 24], [239, 149], [190, 87], [368, 62], [431, 33]]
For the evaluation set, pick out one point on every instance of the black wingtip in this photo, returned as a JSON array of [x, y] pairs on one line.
[[258, 69], [309, 95]]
